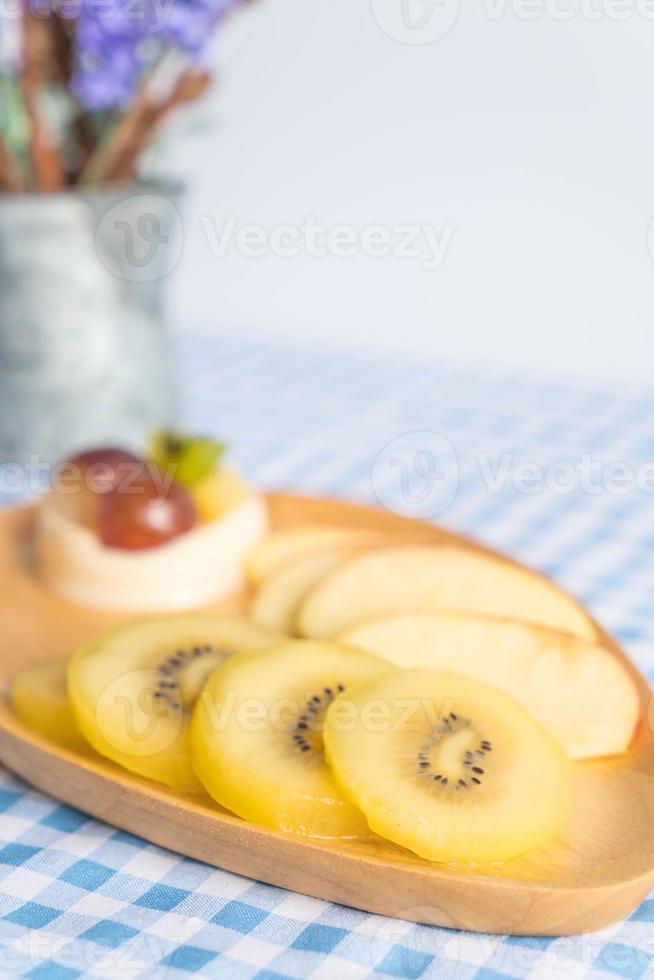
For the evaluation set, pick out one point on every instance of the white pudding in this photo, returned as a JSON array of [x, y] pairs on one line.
[[202, 566]]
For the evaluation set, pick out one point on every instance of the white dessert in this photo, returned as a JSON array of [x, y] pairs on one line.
[[201, 566]]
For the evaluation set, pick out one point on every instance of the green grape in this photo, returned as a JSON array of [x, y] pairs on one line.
[[188, 459]]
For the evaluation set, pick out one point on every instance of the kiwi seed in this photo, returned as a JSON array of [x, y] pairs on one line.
[[450, 724], [307, 718], [168, 686]]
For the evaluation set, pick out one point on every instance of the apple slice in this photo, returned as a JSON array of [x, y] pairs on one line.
[[275, 603], [280, 547], [578, 690], [416, 577]]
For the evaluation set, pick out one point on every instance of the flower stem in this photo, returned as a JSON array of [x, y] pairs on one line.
[[47, 170], [9, 173], [189, 86]]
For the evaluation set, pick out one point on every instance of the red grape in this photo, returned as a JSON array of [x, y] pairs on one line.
[[144, 512], [80, 479], [102, 469]]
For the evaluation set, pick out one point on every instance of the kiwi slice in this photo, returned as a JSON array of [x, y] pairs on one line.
[[40, 699], [256, 736], [219, 493], [132, 690], [190, 458], [447, 767]]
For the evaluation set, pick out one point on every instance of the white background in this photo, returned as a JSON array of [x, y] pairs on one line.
[[534, 139]]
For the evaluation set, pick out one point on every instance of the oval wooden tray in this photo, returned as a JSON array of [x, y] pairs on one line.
[[597, 870]]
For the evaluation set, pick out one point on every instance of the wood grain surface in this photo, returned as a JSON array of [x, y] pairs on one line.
[[598, 868]]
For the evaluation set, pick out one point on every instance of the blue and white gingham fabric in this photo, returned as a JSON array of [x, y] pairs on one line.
[[559, 475]]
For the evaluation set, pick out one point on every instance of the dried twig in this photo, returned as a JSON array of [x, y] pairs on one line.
[[112, 147], [190, 85], [48, 172], [116, 159], [79, 144], [9, 173]]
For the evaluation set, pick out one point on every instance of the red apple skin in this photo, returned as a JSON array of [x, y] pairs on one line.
[[79, 481], [145, 514]]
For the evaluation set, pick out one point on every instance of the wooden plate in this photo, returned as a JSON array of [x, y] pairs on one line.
[[597, 870]]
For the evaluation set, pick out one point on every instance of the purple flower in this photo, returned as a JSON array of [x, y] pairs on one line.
[[106, 77], [117, 40], [189, 23]]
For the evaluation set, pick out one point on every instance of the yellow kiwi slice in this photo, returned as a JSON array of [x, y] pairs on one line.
[[132, 690], [217, 494], [578, 690], [256, 736], [449, 768], [40, 699]]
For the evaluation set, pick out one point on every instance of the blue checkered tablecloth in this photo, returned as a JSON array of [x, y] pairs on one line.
[[557, 474]]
